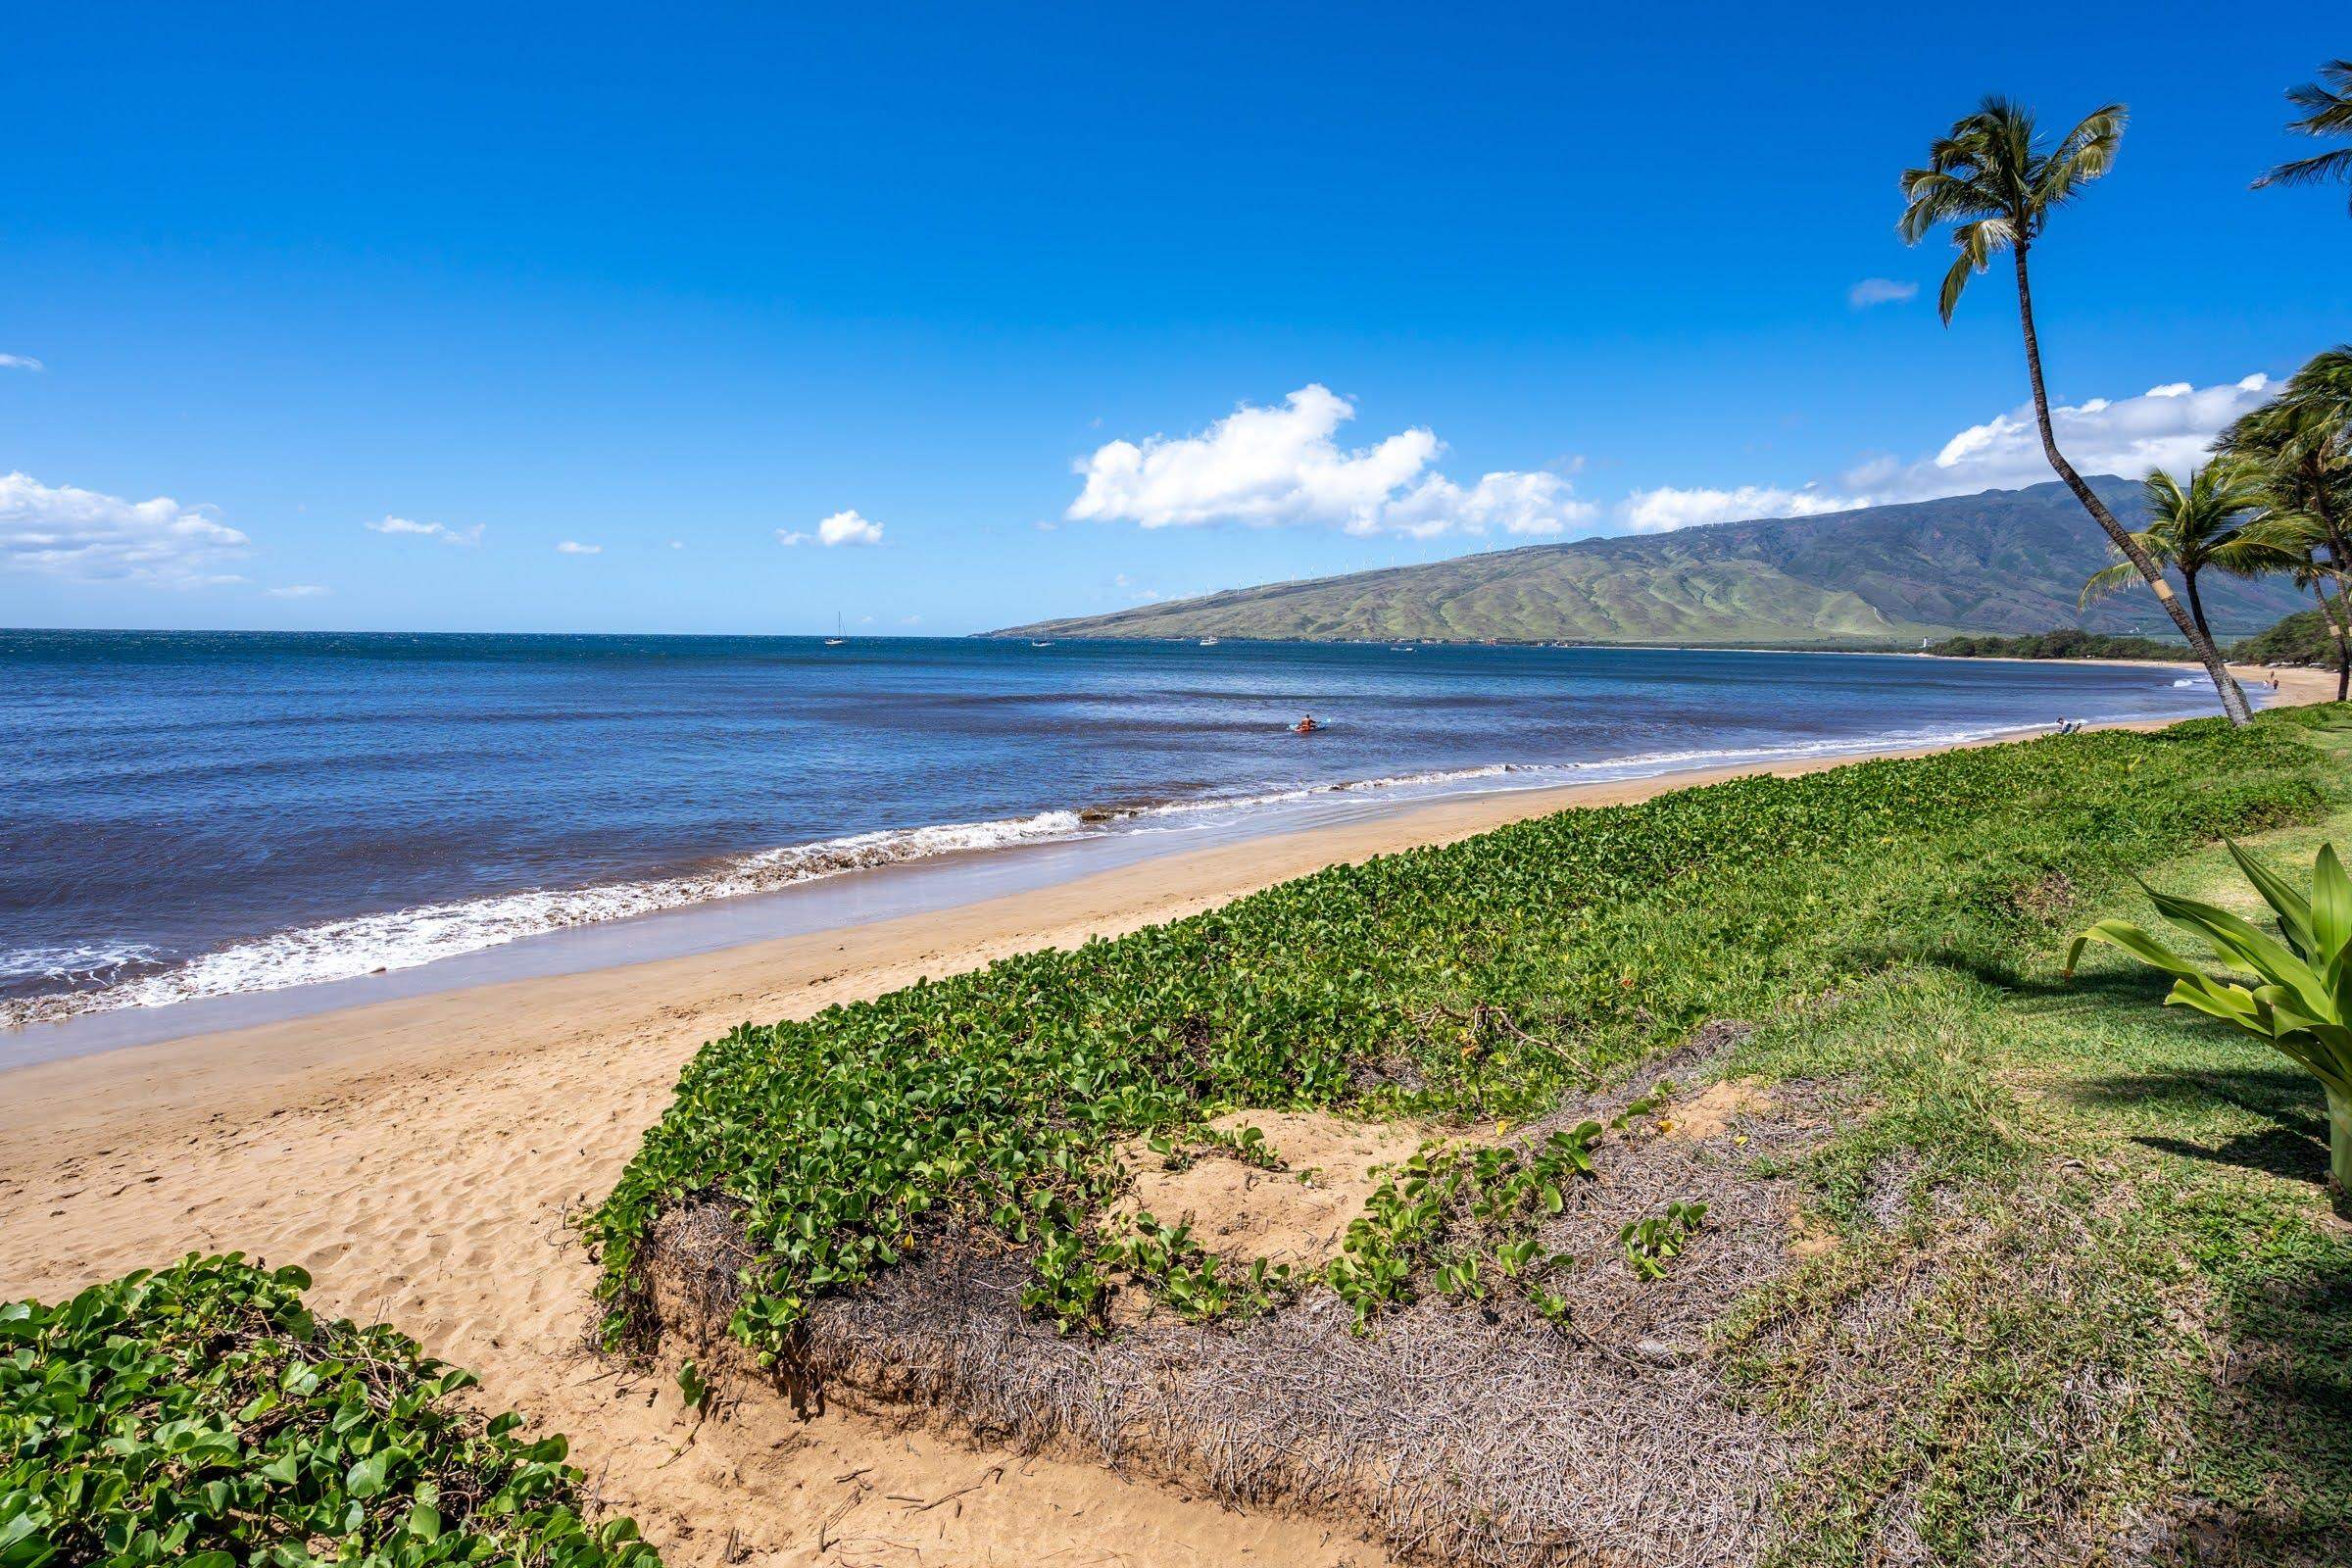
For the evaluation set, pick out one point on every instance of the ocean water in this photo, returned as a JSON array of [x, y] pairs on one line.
[[189, 816]]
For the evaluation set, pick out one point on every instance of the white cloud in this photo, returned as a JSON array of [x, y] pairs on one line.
[[430, 530], [2169, 426], [1281, 467], [677, 544], [841, 528], [1537, 502], [572, 546], [1880, 291], [300, 590], [1666, 509], [21, 361], [84, 534]]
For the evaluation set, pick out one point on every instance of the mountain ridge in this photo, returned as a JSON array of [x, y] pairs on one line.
[[2000, 560]]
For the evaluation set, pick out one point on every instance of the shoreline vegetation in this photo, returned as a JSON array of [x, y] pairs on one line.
[[915, 1196], [1781, 1178]]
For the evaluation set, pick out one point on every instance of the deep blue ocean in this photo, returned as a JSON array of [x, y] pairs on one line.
[[193, 814]]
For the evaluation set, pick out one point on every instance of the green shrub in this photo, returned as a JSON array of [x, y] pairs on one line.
[[2065, 643], [2302, 638], [203, 1416], [1473, 980], [1654, 1240]]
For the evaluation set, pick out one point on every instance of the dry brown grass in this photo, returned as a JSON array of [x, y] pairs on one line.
[[1463, 1432]]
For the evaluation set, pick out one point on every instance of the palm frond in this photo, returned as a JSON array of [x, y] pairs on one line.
[[2312, 171], [2163, 493], [1976, 242], [2084, 154], [1991, 177], [1934, 196], [2326, 110], [2108, 581]]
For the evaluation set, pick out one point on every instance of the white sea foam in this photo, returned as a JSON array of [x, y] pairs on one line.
[[74, 963], [1397, 783], [1641, 763], [401, 938]]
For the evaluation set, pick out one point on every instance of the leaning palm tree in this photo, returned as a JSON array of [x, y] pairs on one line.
[[2327, 105], [2204, 525], [2315, 573], [1993, 179], [2300, 446]]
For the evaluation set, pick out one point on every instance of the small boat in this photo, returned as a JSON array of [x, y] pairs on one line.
[[1209, 642], [1041, 644], [1305, 726], [837, 639]]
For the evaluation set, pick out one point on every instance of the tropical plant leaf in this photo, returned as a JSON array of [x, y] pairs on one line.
[[2291, 906], [2331, 902]]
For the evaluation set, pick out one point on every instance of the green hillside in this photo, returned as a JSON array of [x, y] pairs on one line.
[[2005, 560], [2302, 638]]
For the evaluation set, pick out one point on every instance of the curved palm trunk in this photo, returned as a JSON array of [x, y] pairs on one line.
[[2196, 602], [2338, 616], [2339, 619], [2234, 701]]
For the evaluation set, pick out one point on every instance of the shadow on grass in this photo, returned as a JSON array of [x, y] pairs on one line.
[[2294, 1147], [2138, 988], [2278, 1452]]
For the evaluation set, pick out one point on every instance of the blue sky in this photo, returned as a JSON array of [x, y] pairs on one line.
[[675, 289]]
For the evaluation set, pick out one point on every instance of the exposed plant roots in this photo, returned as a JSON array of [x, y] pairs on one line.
[[1464, 1431]]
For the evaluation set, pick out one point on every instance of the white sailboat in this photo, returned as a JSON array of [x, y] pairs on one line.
[[837, 639]]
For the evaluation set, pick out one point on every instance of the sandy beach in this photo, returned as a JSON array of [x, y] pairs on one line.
[[420, 1156]]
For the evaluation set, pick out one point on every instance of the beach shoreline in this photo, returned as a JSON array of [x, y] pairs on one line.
[[414, 939], [422, 1157]]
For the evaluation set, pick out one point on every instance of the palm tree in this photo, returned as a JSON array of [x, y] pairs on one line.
[[2204, 525], [2315, 573], [1991, 179], [2327, 105], [2300, 444]]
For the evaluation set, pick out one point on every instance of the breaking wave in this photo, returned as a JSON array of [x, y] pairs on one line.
[[104, 979], [401, 938]]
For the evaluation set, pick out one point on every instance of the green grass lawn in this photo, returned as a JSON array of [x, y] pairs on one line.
[[2085, 1276]]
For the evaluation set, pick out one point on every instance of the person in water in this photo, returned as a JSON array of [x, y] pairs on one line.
[[1307, 725]]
